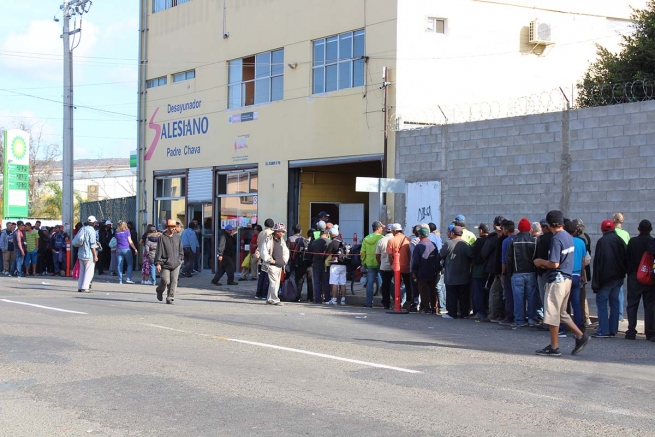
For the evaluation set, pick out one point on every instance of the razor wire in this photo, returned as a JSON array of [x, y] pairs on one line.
[[617, 93], [408, 118]]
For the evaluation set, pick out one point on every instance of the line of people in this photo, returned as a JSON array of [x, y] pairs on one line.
[[31, 250]]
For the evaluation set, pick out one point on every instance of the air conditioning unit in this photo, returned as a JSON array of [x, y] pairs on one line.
[[540, 33]]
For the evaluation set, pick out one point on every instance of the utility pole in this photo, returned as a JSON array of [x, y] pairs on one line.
[[69, 9], [385, 159]]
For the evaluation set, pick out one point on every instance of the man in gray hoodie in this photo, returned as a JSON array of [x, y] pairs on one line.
[[168, 259]]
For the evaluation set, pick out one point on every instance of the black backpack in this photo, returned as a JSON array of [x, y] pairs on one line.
[[343, 254], [356, 259], [301, 259]]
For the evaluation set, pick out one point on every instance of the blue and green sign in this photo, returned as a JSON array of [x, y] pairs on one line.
[[16, 174]]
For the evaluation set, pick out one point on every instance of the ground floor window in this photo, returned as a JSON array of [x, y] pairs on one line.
[[170, 201]]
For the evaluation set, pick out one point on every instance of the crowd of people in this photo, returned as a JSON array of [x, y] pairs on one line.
[[31, 250]]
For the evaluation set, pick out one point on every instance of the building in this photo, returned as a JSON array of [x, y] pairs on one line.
[[256, 109]]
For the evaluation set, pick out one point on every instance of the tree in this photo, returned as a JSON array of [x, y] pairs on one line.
[[626, 76], [42, 156], [52, 202]]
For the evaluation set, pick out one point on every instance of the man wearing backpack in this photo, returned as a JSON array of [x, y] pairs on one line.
[[338, 260], [636, 290], [301, 263], [86, 241], [59, 250]]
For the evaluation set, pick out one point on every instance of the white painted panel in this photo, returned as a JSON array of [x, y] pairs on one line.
[[351, 221], [423, 204]]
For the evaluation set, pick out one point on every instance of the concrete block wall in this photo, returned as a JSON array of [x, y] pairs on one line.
[[522, 166]]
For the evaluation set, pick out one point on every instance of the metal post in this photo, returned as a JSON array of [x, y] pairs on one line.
[[395, 266], [385, 163], [67, 163]]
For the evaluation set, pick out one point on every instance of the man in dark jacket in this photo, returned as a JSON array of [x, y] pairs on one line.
[[425, 270], [479, 276], [105, 235], [226, 254], [636, 290], [607, 278], [491, 252], [456, 255], [168, 259], [543, 246], [320, 274], [520, 265]]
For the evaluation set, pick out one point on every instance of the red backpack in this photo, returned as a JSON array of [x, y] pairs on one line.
[[645, 271]]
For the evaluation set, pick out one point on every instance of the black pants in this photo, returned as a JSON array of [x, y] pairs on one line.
[[189, 259], [385, 288], [458, 296], [300, 275], [224, 267], [262, 284], [636, 292]]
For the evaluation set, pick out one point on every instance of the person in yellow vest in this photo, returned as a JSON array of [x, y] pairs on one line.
[[467, 235]]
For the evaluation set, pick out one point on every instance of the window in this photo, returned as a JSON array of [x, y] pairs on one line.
[[338, 62], [169, 200], [160, 5], [185, 75], [158, 81], [436, 25], [256, 79]]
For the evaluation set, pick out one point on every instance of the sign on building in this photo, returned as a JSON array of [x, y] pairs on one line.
[[16, 174], [423, 204]]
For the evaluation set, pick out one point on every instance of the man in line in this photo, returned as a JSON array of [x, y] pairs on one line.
[[257, 229], [370, 261], [168, 259], [636, 290], [521, 269], [20, 247], [262, 279], [275, 255], [58, 250], [87, 256], [435, 237], [457, 254], [580, 257], [493, 266], [31, 254], [559, 269], [7, 247], [510, 232], [425, 269], [105, 235], [226, 254], [607, 279], [301, 265], [580, 233], [385, 267], [191, 247], [543, 248], [619, 219], [321, 275], [467, 236], [399, 242], [337, 268], [479, 276]]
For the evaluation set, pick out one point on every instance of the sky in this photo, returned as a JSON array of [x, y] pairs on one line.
[[105, 74]]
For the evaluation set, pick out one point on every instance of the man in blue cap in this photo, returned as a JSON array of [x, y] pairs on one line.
[[226, 254], [467, 235]]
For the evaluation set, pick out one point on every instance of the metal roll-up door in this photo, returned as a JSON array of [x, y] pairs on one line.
[[200, 185]]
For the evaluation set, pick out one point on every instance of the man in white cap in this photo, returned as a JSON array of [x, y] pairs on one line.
[[337, 267], [85, 240]]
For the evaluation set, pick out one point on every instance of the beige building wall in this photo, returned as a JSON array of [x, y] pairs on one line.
[[302, 126]]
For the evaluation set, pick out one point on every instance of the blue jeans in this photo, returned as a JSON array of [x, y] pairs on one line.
[[371, 278], [524, 287], [480, 297], [509, 298], [441, 293], [321, 285], [576, 304], [30, 257], [608, 293], [153, 273], [124, 254], [621, 302], [20, 259]]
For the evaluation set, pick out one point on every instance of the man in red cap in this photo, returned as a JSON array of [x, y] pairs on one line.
[[521, 268], [607, 279]]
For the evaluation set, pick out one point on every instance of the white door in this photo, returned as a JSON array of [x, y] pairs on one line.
[[351, 222]]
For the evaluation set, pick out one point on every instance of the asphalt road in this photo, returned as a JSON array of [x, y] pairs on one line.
[[219, 363]]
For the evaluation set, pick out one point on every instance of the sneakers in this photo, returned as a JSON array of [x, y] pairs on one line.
[[548, 351], [445, 316], [343, 301], [561, 334], [597, 335], [580, 344], [232, 283], [160, 296], [129, 281], [331, 302], [506, 322], [169, 301], [147, 282]]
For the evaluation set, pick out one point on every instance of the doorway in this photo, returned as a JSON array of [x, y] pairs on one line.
[[203, 215]]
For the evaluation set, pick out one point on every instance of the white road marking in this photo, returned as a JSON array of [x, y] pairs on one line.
[[289, 349], [41, 306]]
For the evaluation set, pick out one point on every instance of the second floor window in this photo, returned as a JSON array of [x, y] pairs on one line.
[[338, 62], [256, 79], [158, 81], [185, 75], [160, 5]]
